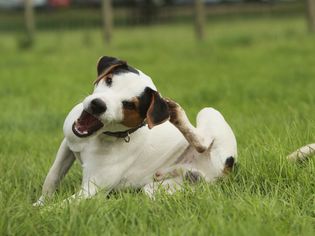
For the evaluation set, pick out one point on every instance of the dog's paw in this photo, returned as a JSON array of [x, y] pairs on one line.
[[175, 111], [168, 174], [40, 202], [157, 176], [171, 104]]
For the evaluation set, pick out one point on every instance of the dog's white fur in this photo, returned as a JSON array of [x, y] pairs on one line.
[[111, 163]]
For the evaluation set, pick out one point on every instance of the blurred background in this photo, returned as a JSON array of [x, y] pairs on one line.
[[29, 16], [240, 56], [236, 55]]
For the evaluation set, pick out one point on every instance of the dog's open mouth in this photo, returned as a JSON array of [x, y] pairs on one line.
[[86, 125]]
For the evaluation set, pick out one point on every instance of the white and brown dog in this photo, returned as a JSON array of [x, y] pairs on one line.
[[111, 134]]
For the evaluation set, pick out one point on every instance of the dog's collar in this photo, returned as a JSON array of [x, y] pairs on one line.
[[125, 134]]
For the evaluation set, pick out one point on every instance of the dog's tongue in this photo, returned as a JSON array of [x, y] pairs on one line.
[[86, 125]]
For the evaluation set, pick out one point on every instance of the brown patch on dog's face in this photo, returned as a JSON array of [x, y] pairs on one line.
[[131, 113]]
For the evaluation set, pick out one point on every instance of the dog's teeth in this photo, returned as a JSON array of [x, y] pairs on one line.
[[79, 131]]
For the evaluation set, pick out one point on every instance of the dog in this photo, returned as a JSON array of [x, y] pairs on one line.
[[125, 134]]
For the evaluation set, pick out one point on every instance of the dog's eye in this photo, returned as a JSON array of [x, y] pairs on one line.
[[129, 105], [109, 81]]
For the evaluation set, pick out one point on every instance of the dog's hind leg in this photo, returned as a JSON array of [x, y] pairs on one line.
[[181, 166], [172, 181], [63, 162], [185, 172], [213, 141], [193, 135], [302, 153]]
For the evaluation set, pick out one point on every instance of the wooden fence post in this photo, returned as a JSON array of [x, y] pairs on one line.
[[107, 15], [310, 8], [199, 19], [29, 20]]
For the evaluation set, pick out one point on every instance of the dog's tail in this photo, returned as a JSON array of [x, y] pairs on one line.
[[302, 153]]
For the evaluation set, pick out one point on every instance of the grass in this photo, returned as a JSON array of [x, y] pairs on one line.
[[258, 72]]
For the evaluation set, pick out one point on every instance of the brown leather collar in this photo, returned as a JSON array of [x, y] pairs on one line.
[[125, 134]]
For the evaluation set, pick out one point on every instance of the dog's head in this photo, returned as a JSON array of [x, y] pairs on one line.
[[122, 97]]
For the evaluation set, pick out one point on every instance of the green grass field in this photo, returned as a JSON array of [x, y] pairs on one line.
[[259, 72]]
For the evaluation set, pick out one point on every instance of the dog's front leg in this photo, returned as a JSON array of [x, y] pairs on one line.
[[82, 194], [88, 190], [63, 162], [180, 120]]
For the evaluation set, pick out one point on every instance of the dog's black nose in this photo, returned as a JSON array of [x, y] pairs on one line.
[[97, 106]]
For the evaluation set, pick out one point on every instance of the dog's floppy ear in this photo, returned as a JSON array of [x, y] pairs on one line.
[[158, 111], [106, 64]]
